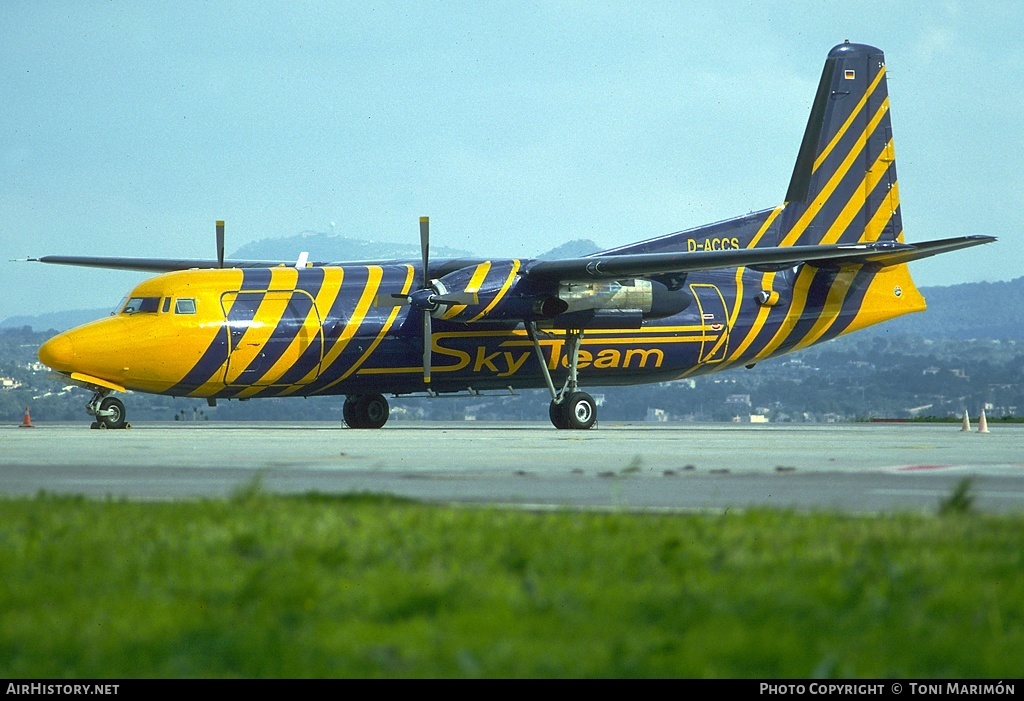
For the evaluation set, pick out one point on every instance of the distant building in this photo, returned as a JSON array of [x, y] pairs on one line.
[[656, 414], [741, 399]]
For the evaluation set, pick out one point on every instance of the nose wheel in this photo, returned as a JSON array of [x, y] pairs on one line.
[[109, 411], [365, 410]]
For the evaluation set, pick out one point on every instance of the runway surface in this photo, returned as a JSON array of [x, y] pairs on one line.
[[863, 468]]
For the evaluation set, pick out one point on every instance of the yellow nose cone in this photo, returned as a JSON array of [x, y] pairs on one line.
[[58, 353]]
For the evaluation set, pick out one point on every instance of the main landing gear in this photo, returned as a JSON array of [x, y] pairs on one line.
[[365, 410], [569, 407], [109, 411]]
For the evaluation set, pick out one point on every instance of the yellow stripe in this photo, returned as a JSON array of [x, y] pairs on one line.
[[512, 333], [882, 215], [875, 173], [280, 290], [764, 227], [329, 291], [837, 177], [739, 271], [373, 278], [283, 278], [738, 298], [627, 341], [800, 289], [718, 338], [849, 120], [257, 333], [380, 335], [501, 293], [837, 293], [714, 349], [762, 316], [479, 275], [418, 369]]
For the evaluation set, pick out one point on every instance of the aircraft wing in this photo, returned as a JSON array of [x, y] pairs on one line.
[[158, 265], [881, 253]]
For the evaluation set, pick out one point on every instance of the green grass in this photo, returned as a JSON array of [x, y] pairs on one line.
[[315, 586]]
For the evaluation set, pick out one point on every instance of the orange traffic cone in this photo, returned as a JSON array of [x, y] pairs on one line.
[[982, 423], [26, 422], [967, 423]]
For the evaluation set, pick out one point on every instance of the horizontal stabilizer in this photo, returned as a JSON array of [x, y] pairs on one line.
[[926, 249]]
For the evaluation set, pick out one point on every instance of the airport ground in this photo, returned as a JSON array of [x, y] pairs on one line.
[[858, 468], [174, 581]]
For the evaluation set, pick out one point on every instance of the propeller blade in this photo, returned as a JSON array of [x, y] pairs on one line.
[[425, 249], [391, 300], [428, 338], [220, 243], [465, 298], [428, 342]]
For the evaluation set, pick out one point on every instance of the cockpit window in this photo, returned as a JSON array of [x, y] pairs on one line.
[[141, 304], [167, 305], [184, 306]]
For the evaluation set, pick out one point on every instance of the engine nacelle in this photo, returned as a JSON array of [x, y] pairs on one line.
[[493, 290], [649, 298], [488, 284]]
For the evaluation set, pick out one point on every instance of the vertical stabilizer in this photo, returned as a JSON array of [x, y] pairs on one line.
[[844, 188]]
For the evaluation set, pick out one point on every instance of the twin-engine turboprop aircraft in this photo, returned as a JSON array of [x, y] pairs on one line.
[[829, 261]]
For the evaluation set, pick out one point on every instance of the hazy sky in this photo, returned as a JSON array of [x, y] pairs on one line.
[[128, 128]]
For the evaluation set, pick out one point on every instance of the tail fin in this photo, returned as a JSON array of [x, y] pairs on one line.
[[844, 188]]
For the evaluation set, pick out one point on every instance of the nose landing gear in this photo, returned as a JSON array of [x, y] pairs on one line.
[[109, 411]]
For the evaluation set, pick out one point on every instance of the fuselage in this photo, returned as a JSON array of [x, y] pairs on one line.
[[263, 332]]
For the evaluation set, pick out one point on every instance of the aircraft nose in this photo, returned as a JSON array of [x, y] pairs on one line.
[[58, 353]]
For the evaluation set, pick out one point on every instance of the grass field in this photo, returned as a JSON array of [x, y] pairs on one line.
[[314, 586]]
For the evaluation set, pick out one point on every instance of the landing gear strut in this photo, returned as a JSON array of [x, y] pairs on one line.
[[365, 410], [569, 407], [109, 411]]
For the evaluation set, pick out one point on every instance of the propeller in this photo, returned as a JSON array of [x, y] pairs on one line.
[[220, 243], [428, 297], [428, 337]]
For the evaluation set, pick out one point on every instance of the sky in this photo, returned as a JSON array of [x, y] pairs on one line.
[[128, 128]]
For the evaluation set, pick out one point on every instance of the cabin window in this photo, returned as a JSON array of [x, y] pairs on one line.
[[142, 304], [167, 305], [185, 306]]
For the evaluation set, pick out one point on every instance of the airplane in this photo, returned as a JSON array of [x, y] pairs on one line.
[[829, 261]]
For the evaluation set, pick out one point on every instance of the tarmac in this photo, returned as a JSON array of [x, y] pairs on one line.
[[862, 468]]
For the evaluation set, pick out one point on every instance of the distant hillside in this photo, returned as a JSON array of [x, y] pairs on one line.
[[59, 321], [968, 310], [577, 248]]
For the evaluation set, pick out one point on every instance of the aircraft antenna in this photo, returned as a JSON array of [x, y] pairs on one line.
[[220, 243]]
